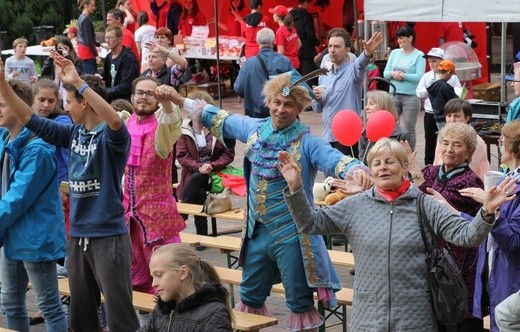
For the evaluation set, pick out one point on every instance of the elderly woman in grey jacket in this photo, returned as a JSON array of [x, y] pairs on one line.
[[391, 290], [507, 314]]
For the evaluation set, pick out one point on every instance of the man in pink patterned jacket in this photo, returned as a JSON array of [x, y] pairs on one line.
[[150, 208]]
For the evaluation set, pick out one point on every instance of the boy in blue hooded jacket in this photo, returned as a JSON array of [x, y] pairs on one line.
[[31, 219], [99, 248]]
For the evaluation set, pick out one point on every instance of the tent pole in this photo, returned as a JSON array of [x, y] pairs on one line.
[[503, 62], [215, 9]]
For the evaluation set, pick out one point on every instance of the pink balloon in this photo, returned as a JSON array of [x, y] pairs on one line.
[[347, 127], [380, 124]]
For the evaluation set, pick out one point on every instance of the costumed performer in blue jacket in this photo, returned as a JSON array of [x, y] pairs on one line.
[[272, 248]]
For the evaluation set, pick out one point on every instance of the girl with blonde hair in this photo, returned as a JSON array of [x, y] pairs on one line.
[[190, 294]]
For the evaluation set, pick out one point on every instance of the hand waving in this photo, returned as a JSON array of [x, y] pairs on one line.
[[290, 171], [496, 196], [154, 47], [372, 44], [69, 74], [351, 185]]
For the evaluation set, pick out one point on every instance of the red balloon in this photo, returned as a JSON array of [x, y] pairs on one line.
[[347, 127], [380, 124]]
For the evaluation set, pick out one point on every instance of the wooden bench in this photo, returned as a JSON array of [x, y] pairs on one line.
[[226, 244], [146, 302], [229, 244], [237, 214], [344, 297]]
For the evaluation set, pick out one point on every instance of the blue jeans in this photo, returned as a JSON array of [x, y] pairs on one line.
[[44, 280], [89, 66]]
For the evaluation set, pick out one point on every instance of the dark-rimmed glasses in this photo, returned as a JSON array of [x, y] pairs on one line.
[[141, 93]]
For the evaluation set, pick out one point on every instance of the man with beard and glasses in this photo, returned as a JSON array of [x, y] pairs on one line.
[[150, 207]]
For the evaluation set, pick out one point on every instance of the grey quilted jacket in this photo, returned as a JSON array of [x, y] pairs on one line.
[[391, 290], [203, 311]]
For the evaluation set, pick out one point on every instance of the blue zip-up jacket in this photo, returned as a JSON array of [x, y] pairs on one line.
[[97, 163], [504, 278], [31, 215]]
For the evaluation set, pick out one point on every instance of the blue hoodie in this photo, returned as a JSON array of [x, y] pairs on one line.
[[31, 215], [97, 163]]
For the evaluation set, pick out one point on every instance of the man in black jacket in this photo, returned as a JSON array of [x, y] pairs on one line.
[[121, 66], [304, 24]]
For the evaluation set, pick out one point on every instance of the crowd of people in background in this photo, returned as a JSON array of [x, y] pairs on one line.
[[91, 148]]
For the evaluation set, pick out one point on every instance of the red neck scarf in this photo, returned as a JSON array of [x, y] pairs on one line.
[[392, 195]]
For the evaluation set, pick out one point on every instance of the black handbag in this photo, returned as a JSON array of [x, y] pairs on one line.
[[449, 291]]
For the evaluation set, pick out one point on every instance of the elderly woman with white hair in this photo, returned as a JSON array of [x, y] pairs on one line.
[[391, 289], [457, 143], [272, 247]]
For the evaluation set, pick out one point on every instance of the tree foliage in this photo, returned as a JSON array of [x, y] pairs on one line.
[[19, 17]]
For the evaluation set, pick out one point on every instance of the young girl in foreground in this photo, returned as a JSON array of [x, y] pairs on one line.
[[190, 296]]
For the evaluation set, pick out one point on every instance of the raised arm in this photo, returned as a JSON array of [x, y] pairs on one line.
[[170, 119], [69, 75], [170, 54]]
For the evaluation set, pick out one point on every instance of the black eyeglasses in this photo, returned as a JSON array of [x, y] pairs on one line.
[[513, 81], [141, 93]]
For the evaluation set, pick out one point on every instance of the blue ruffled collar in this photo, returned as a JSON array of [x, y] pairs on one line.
[[263, 153]]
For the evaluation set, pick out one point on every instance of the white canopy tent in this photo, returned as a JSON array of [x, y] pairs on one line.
[[443, 10], [447, 11]]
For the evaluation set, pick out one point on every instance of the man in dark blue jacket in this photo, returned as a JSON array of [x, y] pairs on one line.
[[252, 76]]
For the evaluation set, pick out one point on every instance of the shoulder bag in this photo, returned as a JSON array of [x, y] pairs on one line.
[[263, 109], [449, 292], [264, 67], [218, 203]]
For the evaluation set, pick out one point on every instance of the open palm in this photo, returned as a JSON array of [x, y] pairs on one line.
[[290, 171], [69, 73], [500, 194]]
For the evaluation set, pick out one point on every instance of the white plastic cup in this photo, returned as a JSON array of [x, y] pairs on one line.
[[491, 178], [320, 89]]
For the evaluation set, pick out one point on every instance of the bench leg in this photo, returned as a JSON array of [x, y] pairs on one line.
[[321, 310], [232, 296], [344, 318], [214, 226], [340, 312]]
